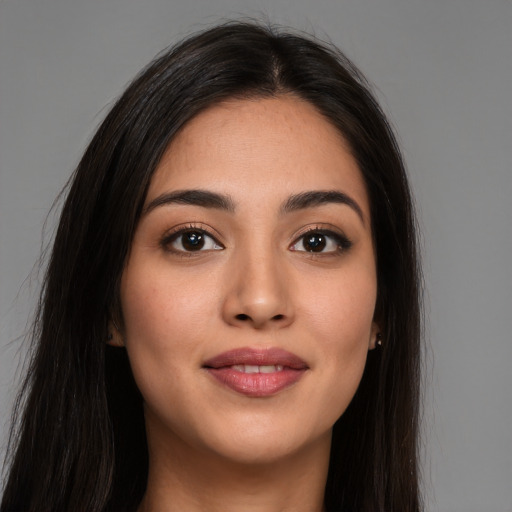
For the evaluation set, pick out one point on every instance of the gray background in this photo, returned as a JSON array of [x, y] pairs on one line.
[[443, 71]]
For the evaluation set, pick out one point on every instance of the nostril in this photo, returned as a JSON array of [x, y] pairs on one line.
[[244, 317]]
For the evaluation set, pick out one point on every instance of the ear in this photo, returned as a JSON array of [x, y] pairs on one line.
[[375, 336], [114, 338]]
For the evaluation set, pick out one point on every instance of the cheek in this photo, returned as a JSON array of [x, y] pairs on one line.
[[340, 318], [163, 335], [342, 308], [158, 305], [158, 320]]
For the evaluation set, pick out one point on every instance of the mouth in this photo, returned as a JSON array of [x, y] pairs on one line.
[[256, 372]]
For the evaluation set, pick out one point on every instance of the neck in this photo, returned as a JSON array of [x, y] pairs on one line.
[[190, 481]]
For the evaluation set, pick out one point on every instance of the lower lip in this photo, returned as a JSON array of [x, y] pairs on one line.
[[256, 384]]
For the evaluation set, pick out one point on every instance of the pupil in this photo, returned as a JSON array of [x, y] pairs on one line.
[[193, 241], [314, 243]]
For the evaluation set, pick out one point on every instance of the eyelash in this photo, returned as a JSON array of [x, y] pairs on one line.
[[342, 242], [174, 235]]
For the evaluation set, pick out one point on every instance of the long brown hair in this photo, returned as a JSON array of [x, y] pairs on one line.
[[79, 441]]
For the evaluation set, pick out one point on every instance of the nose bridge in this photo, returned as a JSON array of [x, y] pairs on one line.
[[259, 292]]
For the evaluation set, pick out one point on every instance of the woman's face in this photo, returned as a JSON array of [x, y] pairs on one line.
[[249, 293]]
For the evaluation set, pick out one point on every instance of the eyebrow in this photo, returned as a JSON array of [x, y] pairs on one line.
[[318, 198], [203, 198], [208, 199]]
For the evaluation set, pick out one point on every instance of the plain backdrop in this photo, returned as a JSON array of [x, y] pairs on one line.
[[443, 72]]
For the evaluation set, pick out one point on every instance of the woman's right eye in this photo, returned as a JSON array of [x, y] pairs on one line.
[[191, 240]]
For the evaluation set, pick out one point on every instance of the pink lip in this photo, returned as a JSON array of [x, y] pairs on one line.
[[256, 384]]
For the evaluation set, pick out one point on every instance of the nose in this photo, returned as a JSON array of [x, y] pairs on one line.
[[258, 294]]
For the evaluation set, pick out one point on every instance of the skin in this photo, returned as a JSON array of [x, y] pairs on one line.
[[255, 285]]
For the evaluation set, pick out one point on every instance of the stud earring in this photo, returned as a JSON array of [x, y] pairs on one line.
[[378, 340], [110, 336]]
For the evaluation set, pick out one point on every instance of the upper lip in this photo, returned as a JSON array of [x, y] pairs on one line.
[[257, 357]]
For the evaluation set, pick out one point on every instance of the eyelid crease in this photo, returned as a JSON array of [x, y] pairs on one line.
[[193, 226], [325, 228]]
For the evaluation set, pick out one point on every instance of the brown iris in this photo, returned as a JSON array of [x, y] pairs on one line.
[[315, 242], [193, 240]]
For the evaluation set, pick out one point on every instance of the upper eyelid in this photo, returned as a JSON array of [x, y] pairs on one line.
[[183, 228], [326, 233], [327, 229]]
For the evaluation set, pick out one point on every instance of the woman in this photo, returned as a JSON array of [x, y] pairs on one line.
[[230, 316]]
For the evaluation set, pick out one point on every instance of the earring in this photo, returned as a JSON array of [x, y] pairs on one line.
[[110, 336], [378, 340]]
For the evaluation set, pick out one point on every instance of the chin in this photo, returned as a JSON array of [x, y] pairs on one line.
[[265, 442]]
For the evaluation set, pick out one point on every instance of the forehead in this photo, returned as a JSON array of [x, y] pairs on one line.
[[266, 148]]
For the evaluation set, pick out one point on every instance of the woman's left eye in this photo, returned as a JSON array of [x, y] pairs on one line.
[[192, 240], [321, 242]]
